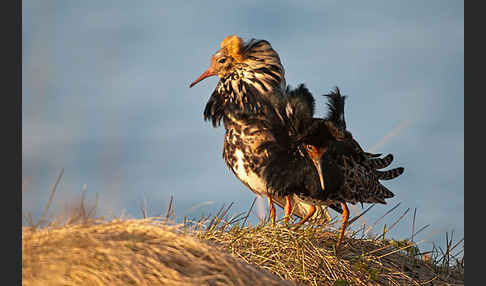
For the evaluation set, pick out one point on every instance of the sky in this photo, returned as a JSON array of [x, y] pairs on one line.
[[105, 97]]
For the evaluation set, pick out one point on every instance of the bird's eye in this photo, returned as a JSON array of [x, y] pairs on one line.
[[222, 60]]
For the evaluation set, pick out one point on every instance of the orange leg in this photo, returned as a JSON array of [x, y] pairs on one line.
[[272, 209], [344, 224], [311, 212], [287, 209]]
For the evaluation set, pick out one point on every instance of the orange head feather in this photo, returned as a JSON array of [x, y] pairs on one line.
[[233, 45]]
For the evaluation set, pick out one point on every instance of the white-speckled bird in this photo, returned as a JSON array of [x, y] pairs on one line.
[[251, 82]]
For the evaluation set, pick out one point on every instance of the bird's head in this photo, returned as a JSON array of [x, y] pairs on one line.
[[222, 62], [315, 141], [316, 138], [315, 153]]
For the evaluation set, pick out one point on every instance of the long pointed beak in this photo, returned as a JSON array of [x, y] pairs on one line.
[[209, 72], [318, 165]]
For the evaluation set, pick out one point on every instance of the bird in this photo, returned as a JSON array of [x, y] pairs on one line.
[[320, 161], [251, 83]]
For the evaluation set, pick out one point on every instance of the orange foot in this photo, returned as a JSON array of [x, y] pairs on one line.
[[311, 212], [344, 223], [272, 209]]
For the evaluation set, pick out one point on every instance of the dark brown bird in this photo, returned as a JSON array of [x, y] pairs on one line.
[[251, 82], [319, 161]]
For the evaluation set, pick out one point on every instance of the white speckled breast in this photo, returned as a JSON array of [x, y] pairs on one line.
[[249, 178]]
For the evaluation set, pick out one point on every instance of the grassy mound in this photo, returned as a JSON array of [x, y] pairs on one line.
[[308, 257], [80, 249], [152, 252], [129, 252]]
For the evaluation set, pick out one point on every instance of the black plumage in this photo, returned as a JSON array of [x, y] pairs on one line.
[[319, 160], [297, 128]]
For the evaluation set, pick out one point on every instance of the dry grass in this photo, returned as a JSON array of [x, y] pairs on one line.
[[79, 249], [154, 252], [129, 252], [308, 257]]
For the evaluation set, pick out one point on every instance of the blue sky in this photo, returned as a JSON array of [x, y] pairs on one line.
[[105, 96]]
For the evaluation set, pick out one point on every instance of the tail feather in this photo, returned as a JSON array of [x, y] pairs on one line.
[[390, 174], [336, 107], [385, 192], [377, 195], [372, 155], [382, 194], [380, 163]]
